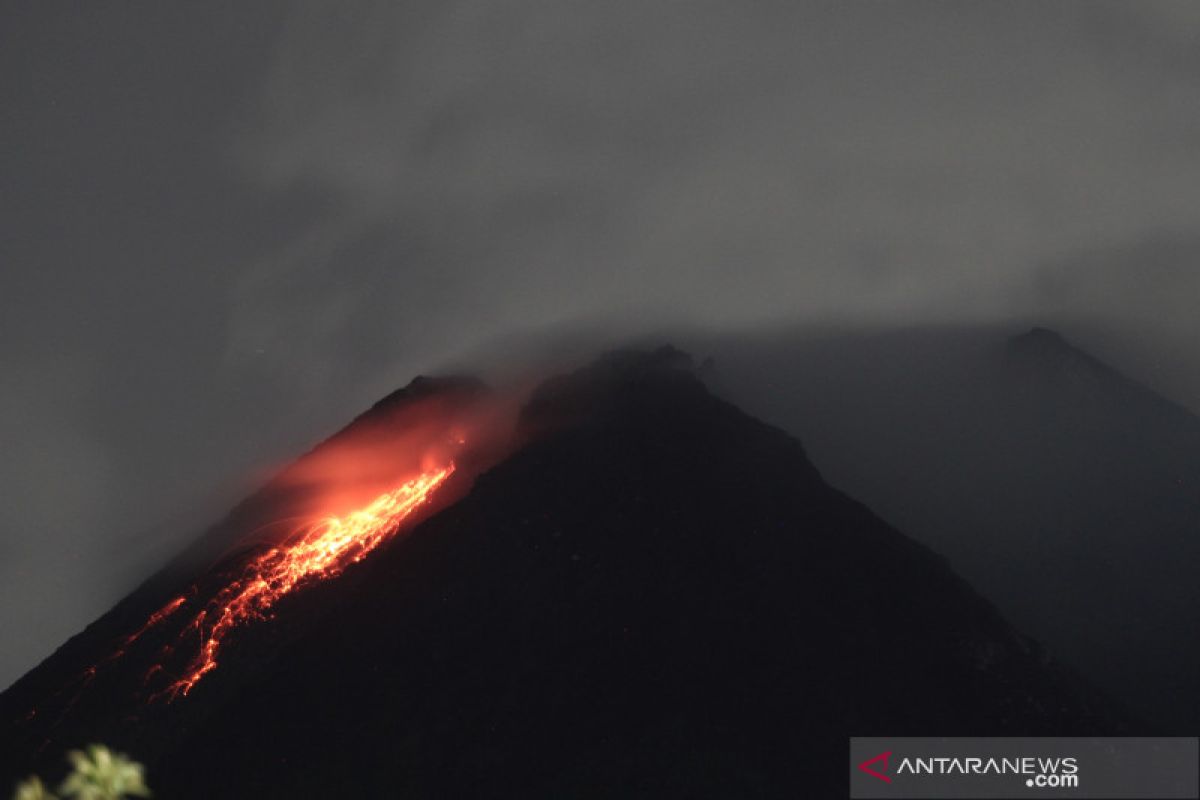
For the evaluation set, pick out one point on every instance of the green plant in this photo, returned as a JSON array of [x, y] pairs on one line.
[[33, 789], [97, 774]]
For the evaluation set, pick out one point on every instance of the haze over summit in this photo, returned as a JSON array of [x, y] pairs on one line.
[[227, 228]]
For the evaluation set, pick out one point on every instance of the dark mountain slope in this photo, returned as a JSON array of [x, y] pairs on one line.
[[1061, 489], [84, 688], [656, 597]]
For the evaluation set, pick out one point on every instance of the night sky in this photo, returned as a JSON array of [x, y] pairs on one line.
[[226, 227]]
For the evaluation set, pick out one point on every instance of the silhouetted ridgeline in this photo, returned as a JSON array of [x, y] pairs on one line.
[[1064, 491], [656, 596]]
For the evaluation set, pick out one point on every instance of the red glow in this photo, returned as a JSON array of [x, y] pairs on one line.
[[315, 550], [157, 617], [320, 549], [328, 510]]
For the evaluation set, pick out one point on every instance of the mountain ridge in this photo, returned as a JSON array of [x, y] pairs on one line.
[[1062, 489], [658, 596]]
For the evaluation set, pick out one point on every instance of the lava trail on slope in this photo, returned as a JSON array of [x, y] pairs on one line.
[[327, 511], [316, 550]]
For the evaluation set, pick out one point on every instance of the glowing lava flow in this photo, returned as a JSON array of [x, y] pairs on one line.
[[316, 550]]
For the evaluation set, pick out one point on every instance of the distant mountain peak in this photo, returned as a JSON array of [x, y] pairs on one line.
[[1044, 358], [1042, 341], [1043, 336], [1048, 350]]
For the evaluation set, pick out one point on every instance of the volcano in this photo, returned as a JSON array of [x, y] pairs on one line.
[[643, 592]]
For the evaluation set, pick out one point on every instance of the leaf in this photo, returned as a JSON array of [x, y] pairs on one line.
[[100, 774], [32, 788]]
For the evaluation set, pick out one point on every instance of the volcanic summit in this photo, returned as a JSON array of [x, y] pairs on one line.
[[644, 592]]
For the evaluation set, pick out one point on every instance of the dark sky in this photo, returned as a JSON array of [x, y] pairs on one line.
[[225, 227]]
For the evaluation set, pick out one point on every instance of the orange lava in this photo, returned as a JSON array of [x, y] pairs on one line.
[[157, 617], [316, 550]]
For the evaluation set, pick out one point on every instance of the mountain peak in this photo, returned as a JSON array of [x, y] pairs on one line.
[[613, 381], [1044, 360], [1044, 336], [1041, 341], [1046, 350]]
